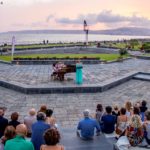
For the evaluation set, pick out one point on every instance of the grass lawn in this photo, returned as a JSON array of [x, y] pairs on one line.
[[107, 57], [36, 46], [147, 55]]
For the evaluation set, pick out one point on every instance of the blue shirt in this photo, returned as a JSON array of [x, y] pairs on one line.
[[38, 129], [108, 123], [87, 127]]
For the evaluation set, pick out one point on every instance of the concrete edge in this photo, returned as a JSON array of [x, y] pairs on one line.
[[5, 62], [69, 89]]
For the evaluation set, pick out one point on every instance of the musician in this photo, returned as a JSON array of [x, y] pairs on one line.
[[58, 71], [59, 66]]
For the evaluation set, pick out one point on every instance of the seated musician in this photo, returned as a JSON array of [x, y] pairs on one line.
[[58, 70]]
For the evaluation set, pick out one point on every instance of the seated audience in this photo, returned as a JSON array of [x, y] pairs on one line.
[[14, 119], [51, 137], [29, 120], [86, 127], [3, 122], [9, 133], [122, 122], [49, 119], [134, 131], [99, 113], [128, 106], [147, 127], [19, 142], [38, 128], [109, 121], [143, 109], [43, 108]]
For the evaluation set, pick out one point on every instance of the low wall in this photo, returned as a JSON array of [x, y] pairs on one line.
[[46, 62], [143, 57]]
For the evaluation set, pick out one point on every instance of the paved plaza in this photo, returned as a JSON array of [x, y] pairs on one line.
[[39, 75], [68, 107]]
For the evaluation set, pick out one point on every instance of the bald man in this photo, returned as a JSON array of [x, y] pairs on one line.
[[19, 142], [3, 122]]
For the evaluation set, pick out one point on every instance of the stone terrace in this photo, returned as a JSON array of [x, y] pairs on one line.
[[68, 107], [39, 75]]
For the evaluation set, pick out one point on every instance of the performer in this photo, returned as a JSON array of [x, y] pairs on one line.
[[58, 72]]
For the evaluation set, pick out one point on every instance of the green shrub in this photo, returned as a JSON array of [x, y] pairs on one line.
[[146, 47], [122, 52]]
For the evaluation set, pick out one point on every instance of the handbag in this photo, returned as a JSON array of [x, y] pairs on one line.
[[118, 131], [123, 143]]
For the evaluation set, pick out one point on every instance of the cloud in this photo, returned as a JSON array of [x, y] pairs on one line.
[[108, 18], [49, 18], [139, 21], [78, 20]]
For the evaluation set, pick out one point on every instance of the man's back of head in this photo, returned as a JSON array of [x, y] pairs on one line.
[[32, 112], [21, 130], [41, 116], [108, 109], [86, 113]]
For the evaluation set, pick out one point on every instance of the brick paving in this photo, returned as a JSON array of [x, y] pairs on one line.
[[68, 107], [39, 75]]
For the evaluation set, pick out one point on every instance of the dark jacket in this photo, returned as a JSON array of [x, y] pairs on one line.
[[13, 123], [3, 125]]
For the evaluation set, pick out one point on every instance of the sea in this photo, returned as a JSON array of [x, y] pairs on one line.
[[24, 38]]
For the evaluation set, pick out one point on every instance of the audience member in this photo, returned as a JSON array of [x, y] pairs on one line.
[[147, 127], [38, 128], [49, 119], [14, 119], [99, 113], [137, 104], [43, 108], [19, 142], [86, 127], [143, 109], [51, 137], [115, 111], [122, 122], [134, 131], [29, 120], [128, 106], [3, 122], [109, 121], [9, 133]]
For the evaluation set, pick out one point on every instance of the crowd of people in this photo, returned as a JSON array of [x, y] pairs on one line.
[[132, 121], [40, 127]]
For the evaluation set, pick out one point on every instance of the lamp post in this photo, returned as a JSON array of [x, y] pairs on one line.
[[86, 30]]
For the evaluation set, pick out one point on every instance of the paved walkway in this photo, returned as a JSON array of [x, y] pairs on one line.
[[68, 107], [39, 75]]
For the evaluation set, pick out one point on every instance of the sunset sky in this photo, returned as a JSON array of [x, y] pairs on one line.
[[69, 14]]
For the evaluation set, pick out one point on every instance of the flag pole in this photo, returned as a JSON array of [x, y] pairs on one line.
[[86, 30], [13, 48]]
